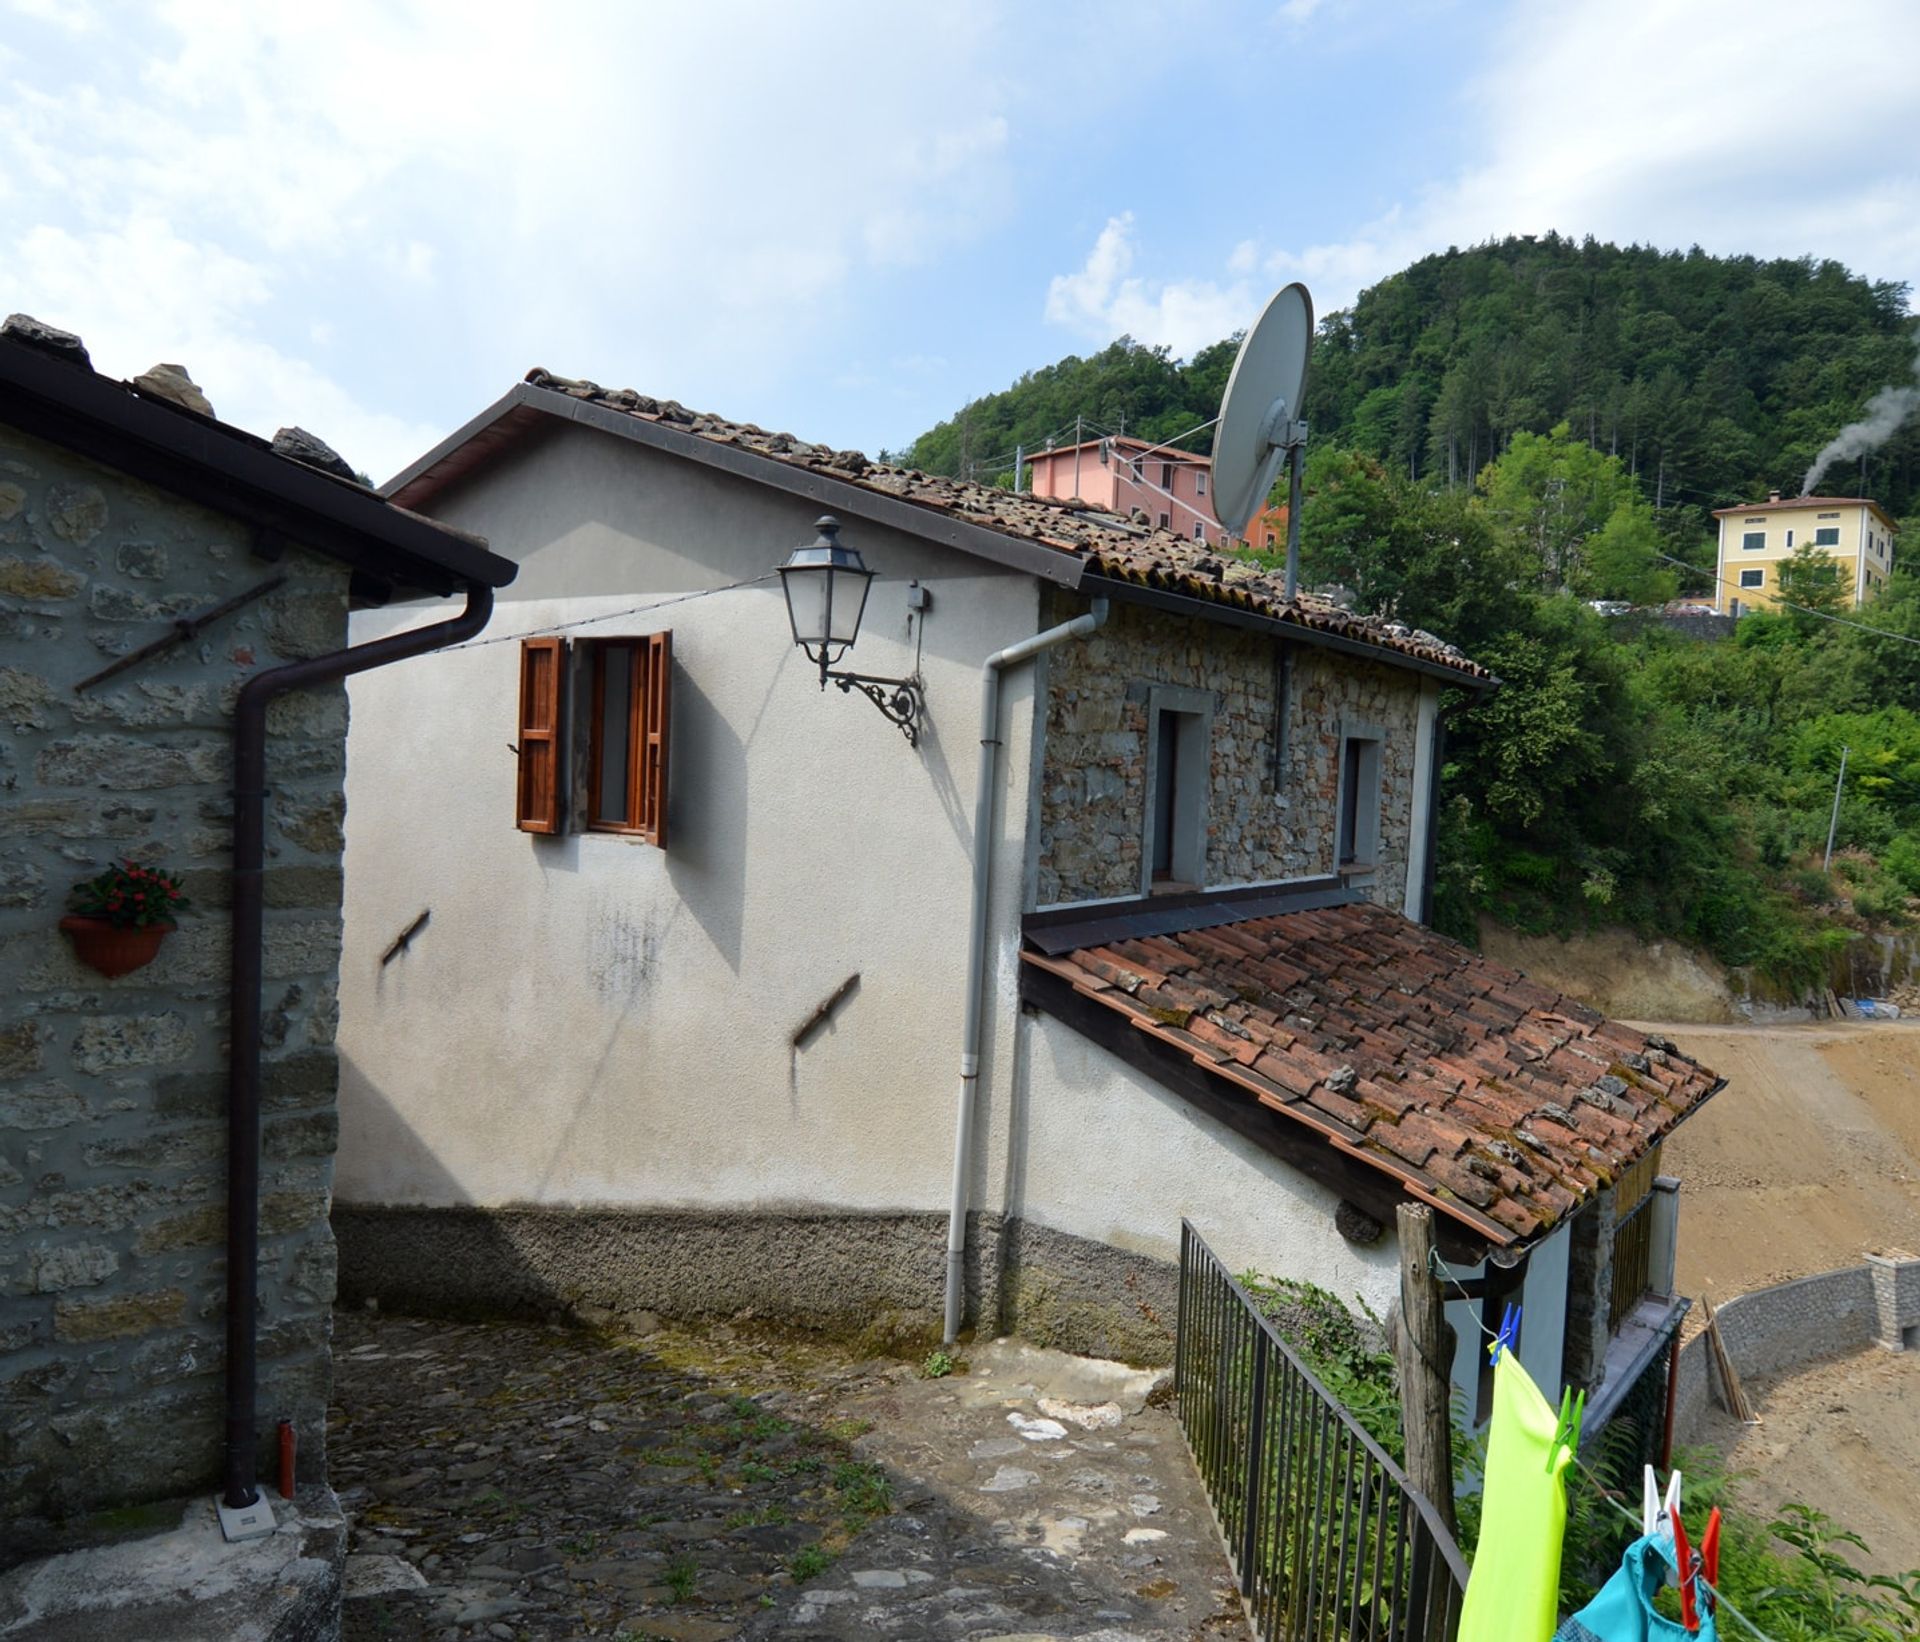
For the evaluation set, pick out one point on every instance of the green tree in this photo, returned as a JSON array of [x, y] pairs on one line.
[[1811, 580]]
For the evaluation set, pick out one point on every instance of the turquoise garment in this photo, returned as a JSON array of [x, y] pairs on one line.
[[1623, 1611], [1513, 1594]]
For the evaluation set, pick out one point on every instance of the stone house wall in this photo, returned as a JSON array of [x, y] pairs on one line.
[[113, 1093], [1094, 771]]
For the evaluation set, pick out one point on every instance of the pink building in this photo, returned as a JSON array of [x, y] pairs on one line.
[[1118, 475]]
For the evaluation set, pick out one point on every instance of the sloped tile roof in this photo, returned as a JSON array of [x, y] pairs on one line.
[[1496, 1100], [1108, 546]]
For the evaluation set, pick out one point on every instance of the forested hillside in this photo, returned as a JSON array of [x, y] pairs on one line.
[[1712, 378], [1502, 433]]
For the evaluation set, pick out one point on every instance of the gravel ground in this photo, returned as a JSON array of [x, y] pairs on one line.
[[528, 1484]]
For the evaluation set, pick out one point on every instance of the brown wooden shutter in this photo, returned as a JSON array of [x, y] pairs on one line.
[[651, 735], [537, 801]]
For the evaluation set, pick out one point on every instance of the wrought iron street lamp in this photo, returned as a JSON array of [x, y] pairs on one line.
[[826, 586]]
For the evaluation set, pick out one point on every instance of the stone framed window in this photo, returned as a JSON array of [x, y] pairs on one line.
[[1179, 764], [1358, 799]]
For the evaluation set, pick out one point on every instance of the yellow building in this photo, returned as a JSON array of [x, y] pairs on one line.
[[1756, 540]]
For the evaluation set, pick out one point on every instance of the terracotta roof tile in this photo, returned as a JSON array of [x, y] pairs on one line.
[[1500, 1102], [1108, 546]]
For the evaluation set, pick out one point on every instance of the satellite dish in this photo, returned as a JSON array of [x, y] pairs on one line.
[[1260, 426]]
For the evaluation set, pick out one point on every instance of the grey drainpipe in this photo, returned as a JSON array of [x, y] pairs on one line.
[[243, 1086], [976, 980]]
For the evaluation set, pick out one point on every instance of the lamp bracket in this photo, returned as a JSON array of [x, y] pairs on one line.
[[900, 700]]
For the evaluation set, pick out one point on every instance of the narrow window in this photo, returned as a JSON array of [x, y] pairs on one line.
[[1753, 578], [627, 736], [1166, 766], [1200, 482], [1199, 530], [1166, 476], [1789, 538], [1359, 834], [1180, 730], [1165, 520]]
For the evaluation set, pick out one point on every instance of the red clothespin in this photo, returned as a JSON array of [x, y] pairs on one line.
[[1710, 1553], [1683, 1575]]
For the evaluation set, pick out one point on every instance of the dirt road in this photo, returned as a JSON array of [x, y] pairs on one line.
[[1809, 1158]]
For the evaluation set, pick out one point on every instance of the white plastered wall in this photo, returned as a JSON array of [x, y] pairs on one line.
[[589, 1020], [1105, 1152]]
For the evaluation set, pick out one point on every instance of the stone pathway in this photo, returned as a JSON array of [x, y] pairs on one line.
[[532, 1484]]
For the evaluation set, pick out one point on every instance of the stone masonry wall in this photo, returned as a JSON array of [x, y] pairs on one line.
[[1094, 776], [1775, 1331], [113, 1093]]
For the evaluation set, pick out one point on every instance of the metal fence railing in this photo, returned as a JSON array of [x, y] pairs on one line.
[[1330, 1541]]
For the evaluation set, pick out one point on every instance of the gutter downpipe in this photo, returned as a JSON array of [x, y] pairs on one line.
[[976, 979], [239, 1483]]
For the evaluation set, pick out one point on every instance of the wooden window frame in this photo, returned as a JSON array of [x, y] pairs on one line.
[[649, 721]]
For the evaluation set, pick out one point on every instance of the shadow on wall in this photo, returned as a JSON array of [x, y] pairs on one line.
[[878, 1275]]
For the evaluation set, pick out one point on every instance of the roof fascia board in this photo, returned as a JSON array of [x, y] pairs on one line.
[[1182, 604], [1367, 1188], [1063, 569], [200, 460], [1065, 929]]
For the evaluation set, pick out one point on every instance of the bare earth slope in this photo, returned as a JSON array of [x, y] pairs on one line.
[[1809, 1158]]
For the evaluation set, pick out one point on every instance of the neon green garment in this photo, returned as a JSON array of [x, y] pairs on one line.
[[1513, 1594]]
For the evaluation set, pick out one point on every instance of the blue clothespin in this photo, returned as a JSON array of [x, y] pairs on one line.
[[1572, 1411], [1509, 1335]]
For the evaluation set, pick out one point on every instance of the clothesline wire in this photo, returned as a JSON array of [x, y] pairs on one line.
[[611, 615], [1606, 1494]]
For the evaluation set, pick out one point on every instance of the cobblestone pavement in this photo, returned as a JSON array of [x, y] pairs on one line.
[[529, 1484]]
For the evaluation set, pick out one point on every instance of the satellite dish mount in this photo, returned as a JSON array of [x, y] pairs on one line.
[[1260, 425]]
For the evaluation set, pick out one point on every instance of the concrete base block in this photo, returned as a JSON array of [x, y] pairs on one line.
[[190, 1584]]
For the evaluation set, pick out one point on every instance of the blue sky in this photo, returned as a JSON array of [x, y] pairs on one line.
[[846, 219]]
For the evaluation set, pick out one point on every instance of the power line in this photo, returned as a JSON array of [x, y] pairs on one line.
[[1844, 621]]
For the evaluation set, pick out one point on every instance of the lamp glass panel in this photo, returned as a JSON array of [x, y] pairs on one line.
[[849, 599], [807, 592]]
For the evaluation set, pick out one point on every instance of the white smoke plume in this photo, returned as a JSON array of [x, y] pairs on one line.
[[1886, 410]]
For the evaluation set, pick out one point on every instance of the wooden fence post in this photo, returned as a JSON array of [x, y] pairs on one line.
[[1423, 1357]]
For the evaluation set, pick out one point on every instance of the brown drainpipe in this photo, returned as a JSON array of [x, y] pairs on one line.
[[249, 932]]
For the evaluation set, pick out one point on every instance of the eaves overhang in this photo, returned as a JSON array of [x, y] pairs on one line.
[[519, 413], [203, 460]]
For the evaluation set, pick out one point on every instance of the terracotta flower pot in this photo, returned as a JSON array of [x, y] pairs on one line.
[[110, 950]]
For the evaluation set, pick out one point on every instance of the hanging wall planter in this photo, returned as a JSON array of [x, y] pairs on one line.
[[111, 950], [120, 918]]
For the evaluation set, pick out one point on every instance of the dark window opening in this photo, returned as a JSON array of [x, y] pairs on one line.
[[1165, 778], [1359, 834]]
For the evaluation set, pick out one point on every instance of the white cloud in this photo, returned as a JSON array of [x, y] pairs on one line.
[[1104, 299], [1702, 123], [675, 197]]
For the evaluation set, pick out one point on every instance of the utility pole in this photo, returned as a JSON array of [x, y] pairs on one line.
[[1833, 826], [1076, 456], [1019, 466], [1423, 1358]]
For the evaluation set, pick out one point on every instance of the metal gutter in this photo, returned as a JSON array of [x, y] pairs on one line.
[[976, 979], [1183, 604], [239, 1480]]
